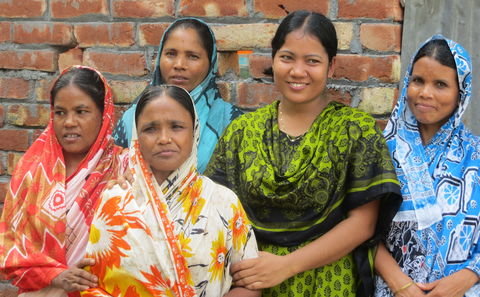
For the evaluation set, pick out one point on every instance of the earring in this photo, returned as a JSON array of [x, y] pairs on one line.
[[169, 140]]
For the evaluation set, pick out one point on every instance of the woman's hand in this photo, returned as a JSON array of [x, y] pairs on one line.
[[266, 271], [454, 285], [412, 291], [75, 278], [122, 180]]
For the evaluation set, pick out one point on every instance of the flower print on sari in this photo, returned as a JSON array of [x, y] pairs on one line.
[[159, 286], [107, 232], [238, 225], [192, 202], [219, 257]]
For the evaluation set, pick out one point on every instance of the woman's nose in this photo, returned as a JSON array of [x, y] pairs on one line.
[[179, 63], [297, 69], [426, 91], [70, 120], [164, 137]]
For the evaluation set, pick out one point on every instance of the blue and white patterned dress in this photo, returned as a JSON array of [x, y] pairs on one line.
[[436, 231]]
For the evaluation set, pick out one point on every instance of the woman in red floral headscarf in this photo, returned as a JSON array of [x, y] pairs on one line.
[[49, 205]]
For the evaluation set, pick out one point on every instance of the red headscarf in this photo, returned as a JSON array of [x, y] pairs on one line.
[[46, 216]]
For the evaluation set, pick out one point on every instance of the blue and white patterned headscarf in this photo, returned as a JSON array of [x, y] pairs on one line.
[[430, 174], [214, 113]]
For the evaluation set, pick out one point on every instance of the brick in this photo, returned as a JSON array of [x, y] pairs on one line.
[[273, 9], [28, 115], [2, 116], [49, 33], [381, 37], [258, 64], [341, 96], [374, 9], [254, 95], [344, 35], [108, 35], [132, 64], [362, 68], [76, 8], [244, 36], [69, 58], [5, 32], [225, 89], [43, 60], [12, 161], [13, 140], [142, 8], [213, 8], [377, 101], [127, 91], [228, 62], [22, 9], [151, 34], [14, 88], [2, 167], [6, 290], [42, 90]]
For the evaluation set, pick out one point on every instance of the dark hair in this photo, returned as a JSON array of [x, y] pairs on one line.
[[312, 23], [439, 50], [86, 80], [176, 93], [202, 30]]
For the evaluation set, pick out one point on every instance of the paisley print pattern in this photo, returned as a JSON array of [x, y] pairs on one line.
[[293, 192], [436, 231]]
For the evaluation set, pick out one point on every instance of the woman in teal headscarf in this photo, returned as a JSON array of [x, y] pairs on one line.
[[187, 57]]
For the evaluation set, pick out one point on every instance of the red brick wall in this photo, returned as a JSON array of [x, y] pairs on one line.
[[120, 37]]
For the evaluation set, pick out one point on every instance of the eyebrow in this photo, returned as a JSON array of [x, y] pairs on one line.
[[292, 53], [75, 107]]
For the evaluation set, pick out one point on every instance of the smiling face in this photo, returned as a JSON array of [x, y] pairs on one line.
[[165, 135], [184, 62], [301, 68], [76, 122], [432, 93]]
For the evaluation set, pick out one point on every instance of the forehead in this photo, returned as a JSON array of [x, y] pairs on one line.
[[164, 107], [301, 40], [428, 66], [72, 95], [184, 37]]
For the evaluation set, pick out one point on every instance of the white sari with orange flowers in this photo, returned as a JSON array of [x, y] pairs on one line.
[[174, 239]]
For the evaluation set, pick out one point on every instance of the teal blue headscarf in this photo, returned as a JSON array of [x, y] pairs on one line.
[[214, 113]]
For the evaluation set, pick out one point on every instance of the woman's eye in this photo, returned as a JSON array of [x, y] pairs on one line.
[[286, 57], [177, 127], [194, 57], [417, 80], [82, 111], [441, 85], [169, 54], [59, 112]]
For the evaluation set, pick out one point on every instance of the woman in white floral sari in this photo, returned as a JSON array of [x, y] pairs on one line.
[[173, 232]]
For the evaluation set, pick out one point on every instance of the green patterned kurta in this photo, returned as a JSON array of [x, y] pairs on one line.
[[295, 191]]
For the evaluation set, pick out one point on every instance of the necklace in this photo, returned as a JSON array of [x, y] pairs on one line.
[[281, 126]]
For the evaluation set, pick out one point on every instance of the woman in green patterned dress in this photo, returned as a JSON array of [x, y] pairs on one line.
[[312, 175]]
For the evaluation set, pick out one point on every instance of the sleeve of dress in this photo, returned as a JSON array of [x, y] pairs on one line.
[[371, 174], [33, 278]]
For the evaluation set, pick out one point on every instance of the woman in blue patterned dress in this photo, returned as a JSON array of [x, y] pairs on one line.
[[432, 248]]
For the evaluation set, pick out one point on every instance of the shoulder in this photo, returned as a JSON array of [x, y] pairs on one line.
[[219, 192], [259, 115]]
